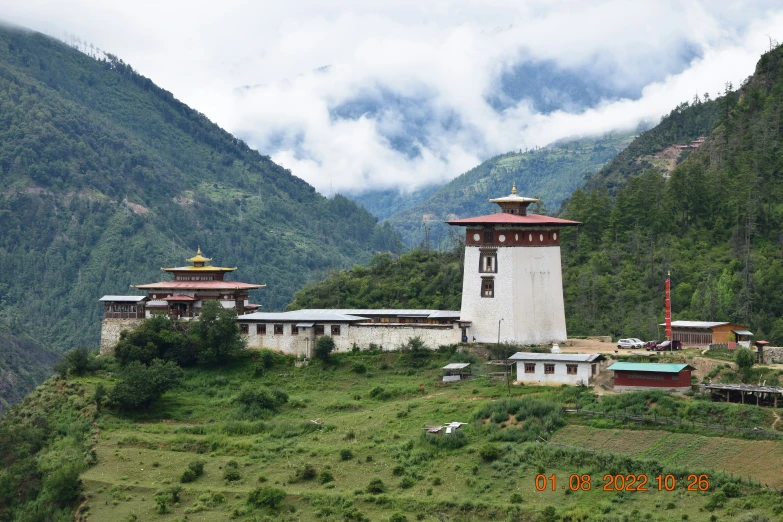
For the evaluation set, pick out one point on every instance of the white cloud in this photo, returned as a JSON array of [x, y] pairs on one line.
[[434, 64]]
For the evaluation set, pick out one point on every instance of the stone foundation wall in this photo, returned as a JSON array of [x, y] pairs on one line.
[[110, 332]]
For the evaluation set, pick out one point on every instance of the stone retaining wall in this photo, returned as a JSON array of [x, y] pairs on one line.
[[111, 329]]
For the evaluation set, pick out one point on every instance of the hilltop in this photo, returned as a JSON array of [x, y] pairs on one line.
[[107, 177]]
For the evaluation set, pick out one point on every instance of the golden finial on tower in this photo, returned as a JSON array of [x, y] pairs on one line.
[[514, 188]]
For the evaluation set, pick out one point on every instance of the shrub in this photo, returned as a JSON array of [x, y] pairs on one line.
[[398, 517], [359, 368], [346, 454], [306, 472], [139, 386], [77, 362], [732, 490], [256, 401], [376, 487], [197, 466], [407, 483], [516, 498], [187, 476], [398, 471], [325, 477], [489, 452], [266, 496], [324, 346], [231, 474]]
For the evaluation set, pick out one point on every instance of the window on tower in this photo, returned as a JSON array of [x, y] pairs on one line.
[[488, 262], [489, 237], [487, 287]]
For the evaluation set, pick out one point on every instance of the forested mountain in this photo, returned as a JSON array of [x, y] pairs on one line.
[[387, 202], [654, 148], [106, 177], [716, 224], [715, 221], [419, 279], [551, 173], [24, 364]]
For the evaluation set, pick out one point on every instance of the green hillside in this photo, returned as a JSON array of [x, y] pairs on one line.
[[716, 224], [652, 150], [24, 364], [551, 173], [261, 439], [107, 177], [418, 279]]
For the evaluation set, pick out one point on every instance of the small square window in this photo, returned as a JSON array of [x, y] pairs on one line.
[[549, 369], [571, 369], [278, 329], [530, 367], [319, 329], [294, 330], [335, 329], [260, 329], [487, 287], [243, 328]]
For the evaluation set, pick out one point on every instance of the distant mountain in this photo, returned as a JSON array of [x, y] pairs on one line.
[[106, 177], [551, 173], [385, 203]]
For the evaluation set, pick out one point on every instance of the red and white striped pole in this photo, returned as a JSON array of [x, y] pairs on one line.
[[668, 308]]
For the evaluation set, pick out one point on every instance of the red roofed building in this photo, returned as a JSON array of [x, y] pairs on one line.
[[192, 286], [512, 287]]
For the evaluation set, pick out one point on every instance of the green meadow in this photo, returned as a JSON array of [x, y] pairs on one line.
[[347, 443]]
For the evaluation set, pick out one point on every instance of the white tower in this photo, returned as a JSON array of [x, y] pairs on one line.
[[513, 286]]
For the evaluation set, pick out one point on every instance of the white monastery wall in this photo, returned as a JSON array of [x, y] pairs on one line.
[[111, 329], [528, 296], [584, 373], [386, 337]]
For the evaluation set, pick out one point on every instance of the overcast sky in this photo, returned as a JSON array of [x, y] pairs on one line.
[[293, 78]]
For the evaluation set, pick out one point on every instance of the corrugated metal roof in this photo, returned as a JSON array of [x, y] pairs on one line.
[[156, 302], [397, 312], [557, 357], [743, 332], [304, 325], [302, 315], [694, 324], [456, 366], [123, 298], [650, 367]]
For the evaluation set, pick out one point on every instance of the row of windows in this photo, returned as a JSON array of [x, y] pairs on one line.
[[122, 308], [278, 329], [550, 368], [489, 237], [194, 278]]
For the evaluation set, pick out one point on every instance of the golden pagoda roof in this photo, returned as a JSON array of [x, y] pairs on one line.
[[198, 258], [513, 197], [199, 265]]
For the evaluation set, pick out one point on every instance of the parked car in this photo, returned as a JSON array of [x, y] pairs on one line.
[[666, 346], [639, 342], [629, 343], [650, 345]]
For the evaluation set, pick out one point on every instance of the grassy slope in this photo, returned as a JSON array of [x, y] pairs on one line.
[[139, 456], [551, 173]]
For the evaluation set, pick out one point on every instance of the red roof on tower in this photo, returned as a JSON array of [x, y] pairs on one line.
[[199, 285], [513, 219]]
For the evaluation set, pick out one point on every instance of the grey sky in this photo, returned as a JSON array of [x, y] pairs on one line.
[[436, 64]]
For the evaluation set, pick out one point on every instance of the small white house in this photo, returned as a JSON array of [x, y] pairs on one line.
[[556, 368]]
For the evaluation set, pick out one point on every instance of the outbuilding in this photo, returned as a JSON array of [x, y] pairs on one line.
[[630, 376], [556, 368], [705, 333]]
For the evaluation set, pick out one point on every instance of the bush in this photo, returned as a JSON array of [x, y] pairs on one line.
[[77, 362], [140, 386], [376, 487], [516, 498], [256, 401], [346, 454], [324, 346], [359, 368], [325, 477], [306, 472], [197, 466], [216, 334], [415, 351], [231, 474], [266, 496], [407, 483], [732, 490], [398, 517], [489, 452], [187, 476]]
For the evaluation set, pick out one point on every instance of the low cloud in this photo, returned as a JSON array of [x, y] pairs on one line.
[[353, 96]]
